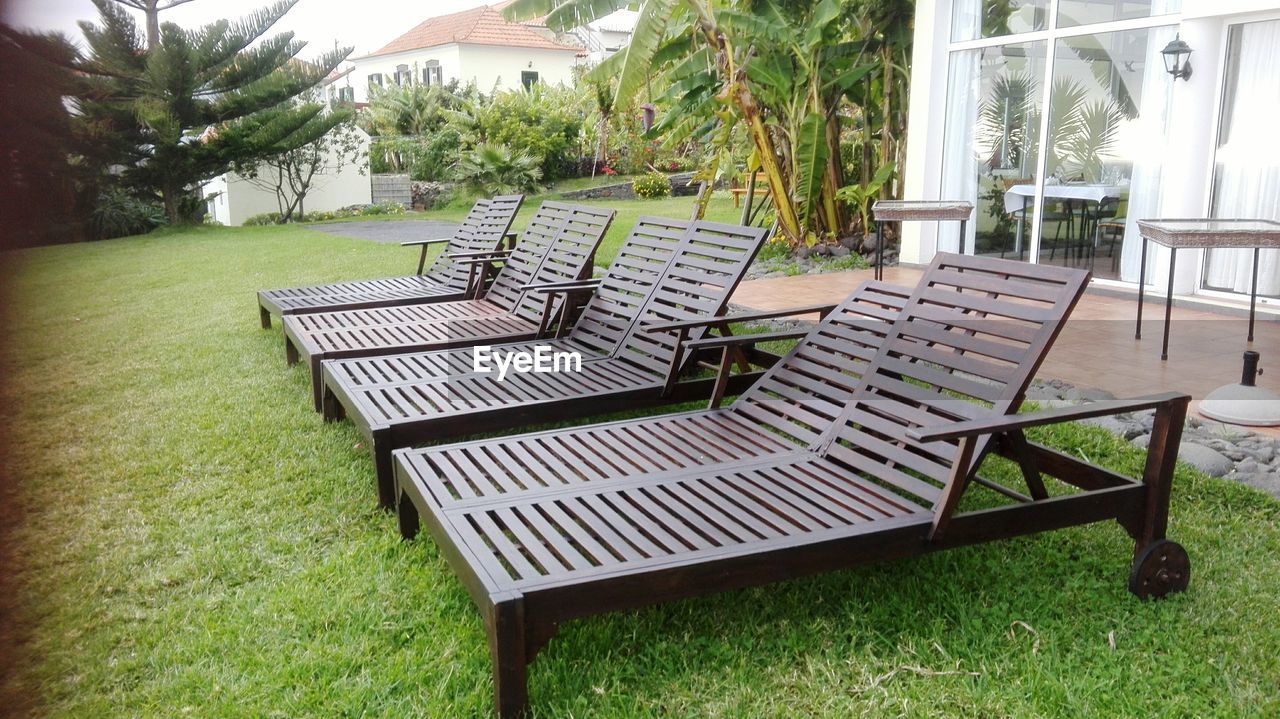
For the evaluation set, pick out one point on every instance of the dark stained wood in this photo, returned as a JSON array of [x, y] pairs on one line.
[[483, 229], [843, 453], [556, 246], [665, 269]]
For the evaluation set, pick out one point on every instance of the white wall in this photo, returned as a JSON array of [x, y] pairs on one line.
[[491, 66], [447, 55], [238, 198], [488, 66]]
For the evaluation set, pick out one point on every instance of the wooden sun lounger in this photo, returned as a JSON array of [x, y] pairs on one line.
[[557, 246], [483, 230], [666, 270], [854, 448]]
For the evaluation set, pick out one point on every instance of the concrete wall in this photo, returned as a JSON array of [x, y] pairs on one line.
[[233, 199]]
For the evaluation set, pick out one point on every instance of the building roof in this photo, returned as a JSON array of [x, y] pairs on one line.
[[483, 25]]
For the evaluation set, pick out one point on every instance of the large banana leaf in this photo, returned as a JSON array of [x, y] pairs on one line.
[[650, 30], [811, 162]]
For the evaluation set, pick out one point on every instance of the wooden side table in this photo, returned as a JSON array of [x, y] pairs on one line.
[[1202, 234], [916, 211]]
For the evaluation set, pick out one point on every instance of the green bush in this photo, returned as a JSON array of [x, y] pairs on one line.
[[266, 218], [117, 213], [652, 185], [542, 123], [498, 170]]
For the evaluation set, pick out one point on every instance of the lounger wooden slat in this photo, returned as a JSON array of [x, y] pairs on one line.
[[855, 447], [666, 270], [482, 230], [556, 246]]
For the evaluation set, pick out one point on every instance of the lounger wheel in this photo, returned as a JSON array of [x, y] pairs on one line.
[[1161, 568]]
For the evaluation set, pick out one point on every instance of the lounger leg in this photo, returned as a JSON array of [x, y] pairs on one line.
[[1162, 455], [330, 407], [290, 352], [384, 470], [506, 629], [317, 382], [265, 315], [410, 523]]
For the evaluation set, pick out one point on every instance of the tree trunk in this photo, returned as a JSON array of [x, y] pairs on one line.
[[153, 24], [171, 195]]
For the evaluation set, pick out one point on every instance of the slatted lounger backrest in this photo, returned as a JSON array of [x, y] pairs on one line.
[[640, 263], [556, 246], [966, 345], [802, 394], [704, 271], [481, 231]]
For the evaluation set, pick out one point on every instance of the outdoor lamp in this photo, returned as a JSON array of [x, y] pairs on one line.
[[1177, 60]]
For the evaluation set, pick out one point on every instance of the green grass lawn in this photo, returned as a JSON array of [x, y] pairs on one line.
[[720, 209], [197, 542]]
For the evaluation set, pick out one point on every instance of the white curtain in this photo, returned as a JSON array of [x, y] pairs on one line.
[[1247, 181], [1148, 153], [959, 148]]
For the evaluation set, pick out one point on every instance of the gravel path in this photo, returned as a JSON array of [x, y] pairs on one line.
[[388, 231]]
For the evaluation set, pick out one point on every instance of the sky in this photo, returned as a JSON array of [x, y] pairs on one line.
[[365, 24]]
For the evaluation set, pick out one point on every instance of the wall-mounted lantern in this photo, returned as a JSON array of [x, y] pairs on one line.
[[1177, 58]]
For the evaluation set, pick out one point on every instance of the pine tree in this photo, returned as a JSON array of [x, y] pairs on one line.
[[173, 114]]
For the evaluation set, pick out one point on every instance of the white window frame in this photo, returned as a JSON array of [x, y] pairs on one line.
[[1050, 37], [1211, 171]]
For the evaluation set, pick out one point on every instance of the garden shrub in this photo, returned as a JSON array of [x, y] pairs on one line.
[[541, 123], [498, 170], [117, 213], [651, 185], [266, 218]]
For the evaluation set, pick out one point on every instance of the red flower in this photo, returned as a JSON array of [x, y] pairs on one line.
[[608, 170]]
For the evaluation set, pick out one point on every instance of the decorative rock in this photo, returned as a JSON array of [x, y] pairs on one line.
[[839, 251], [870, 242], [851, 242], [1207, 460]]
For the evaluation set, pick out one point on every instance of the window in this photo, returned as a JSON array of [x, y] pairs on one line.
[[375, 80], [346, 94], [431, 73], [528, 78], [403, 76]]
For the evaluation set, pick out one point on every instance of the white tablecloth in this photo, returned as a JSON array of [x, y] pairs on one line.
[[1016, 195]]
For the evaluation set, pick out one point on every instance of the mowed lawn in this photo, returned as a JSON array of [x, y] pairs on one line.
[[197, 542]]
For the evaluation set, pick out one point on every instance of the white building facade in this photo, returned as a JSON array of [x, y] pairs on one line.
[[1126, 139], [231, 199], [473, 46]]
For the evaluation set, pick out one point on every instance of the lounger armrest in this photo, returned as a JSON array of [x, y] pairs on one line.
[[556, 287], [486, 255], [731, 340], [998, 425], [424, 244], [510, 239], [822, 310]]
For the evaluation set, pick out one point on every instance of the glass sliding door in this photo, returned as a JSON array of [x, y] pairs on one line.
[[1246, 182], [993, 116], [1107, 113]]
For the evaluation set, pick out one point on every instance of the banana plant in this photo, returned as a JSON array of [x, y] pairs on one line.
[[779, 69]]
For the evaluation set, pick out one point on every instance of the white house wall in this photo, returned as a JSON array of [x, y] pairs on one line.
[[447, 55], [488, 66], [237, 199], [491, 66]]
